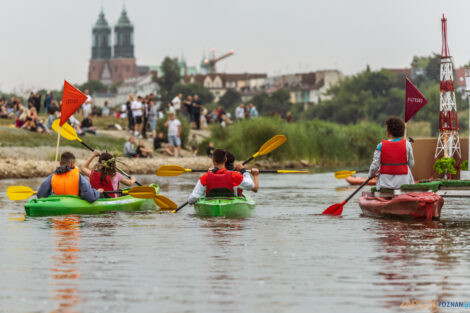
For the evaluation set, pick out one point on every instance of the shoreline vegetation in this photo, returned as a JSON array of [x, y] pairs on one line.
[[316, 145]]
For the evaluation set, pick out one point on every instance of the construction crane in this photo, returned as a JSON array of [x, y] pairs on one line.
[[211, 62]]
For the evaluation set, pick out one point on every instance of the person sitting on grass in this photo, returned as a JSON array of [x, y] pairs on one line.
[[221, 182], [105, 175], [160, 144], [393, 158], [129, 149], [87, 125], [210, 150], [143, 152], [66, 180]]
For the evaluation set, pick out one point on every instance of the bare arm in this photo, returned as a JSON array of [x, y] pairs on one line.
[[255, 173], [85, 168], [127, 182], [179, 130]]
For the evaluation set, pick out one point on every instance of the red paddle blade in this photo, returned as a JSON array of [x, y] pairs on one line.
[[335, 209]]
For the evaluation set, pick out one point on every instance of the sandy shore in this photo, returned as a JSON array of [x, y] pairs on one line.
[[25, 162]]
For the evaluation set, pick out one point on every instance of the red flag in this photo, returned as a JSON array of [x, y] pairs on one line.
[[72, 99], [414, 100]]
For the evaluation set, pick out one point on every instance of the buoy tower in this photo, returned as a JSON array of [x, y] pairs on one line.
[[448, 142]]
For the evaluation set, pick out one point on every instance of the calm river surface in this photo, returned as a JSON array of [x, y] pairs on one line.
[[287, 258]]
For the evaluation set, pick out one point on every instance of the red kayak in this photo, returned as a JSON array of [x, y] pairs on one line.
[[418, 205], [355, 180]]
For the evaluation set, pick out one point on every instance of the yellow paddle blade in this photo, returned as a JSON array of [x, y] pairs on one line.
[[16, 217], [19, 192], [344, 174], [141, 192], [164, 203], [171, 170], [270, 145], [67, 131], [292, 172]]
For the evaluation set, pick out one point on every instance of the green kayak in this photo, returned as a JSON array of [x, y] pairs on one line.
[[64, 205], [229, 207]]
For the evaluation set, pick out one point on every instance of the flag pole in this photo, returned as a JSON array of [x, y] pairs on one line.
[[58, 143], [405, 131]]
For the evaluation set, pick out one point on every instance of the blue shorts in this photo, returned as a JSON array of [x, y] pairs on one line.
[[174, 141], [152, 124]]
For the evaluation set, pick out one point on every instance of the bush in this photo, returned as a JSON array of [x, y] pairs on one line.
[[320, 142], [185, 128]]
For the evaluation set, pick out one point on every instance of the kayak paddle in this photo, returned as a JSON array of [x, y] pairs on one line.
[[19, 192], [344, 174], [141, 192], [268, 146], [337, 209], [175, 170], [69, 133]]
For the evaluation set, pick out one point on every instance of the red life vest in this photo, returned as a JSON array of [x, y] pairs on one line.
[[95, 182], [393, 157], [219, 181]]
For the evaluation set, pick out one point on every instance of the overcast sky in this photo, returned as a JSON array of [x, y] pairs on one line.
[[45, 41]]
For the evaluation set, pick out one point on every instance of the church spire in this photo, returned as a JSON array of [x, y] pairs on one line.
[[124, 32], [101, 34]]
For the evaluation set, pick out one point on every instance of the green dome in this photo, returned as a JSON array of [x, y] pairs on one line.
[[101, 22], [123, 20]]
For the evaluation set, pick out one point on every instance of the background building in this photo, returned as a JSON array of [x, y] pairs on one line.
[[107, 67]]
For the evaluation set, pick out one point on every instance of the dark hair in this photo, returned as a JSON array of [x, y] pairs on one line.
[[395, 126], [67, 158], [219, 156], [106, 166], [230, 161]]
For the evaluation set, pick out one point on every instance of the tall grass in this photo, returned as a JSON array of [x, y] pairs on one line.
[[322, 143]]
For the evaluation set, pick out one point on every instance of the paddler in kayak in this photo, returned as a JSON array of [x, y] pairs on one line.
[[393, 158], [105, 176], [221, 182], [230, 166], [66, 180]]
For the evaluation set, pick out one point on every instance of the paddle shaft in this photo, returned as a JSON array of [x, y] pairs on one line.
[[357, 190], [248, 160], [181, 206], [121, 171]]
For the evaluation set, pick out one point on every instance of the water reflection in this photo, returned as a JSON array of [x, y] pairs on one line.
[[65, 271], [410, 254]]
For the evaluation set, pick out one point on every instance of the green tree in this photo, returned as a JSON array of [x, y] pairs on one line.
[[277, 102], [113, 88], [190, 89], [230, 99], [170, 77], [93, 86]]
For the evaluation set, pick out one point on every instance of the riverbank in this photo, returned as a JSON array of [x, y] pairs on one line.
[[28, 162]]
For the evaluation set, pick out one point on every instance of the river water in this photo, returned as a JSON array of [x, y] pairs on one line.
[[287, 258]]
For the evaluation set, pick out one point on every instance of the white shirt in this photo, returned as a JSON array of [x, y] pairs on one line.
[[387, 180], [239, 113], [171, 110], [123, 111], [200, 190], [176, 103], [173, 127], [136, 108]]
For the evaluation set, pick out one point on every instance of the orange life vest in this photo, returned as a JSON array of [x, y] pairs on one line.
[[393, 157], [67, 183]]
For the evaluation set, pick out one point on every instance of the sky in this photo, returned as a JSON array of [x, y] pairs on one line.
[[47, 41]]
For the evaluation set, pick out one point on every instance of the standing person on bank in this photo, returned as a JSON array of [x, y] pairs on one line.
[[174, 134], [197, 105], [137, 112], [393, 158], [177, 102]]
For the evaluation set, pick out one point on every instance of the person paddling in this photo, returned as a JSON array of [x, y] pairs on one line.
[[393, 158], [105, 176], [66, 180], [230, 166], [221, 182]]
